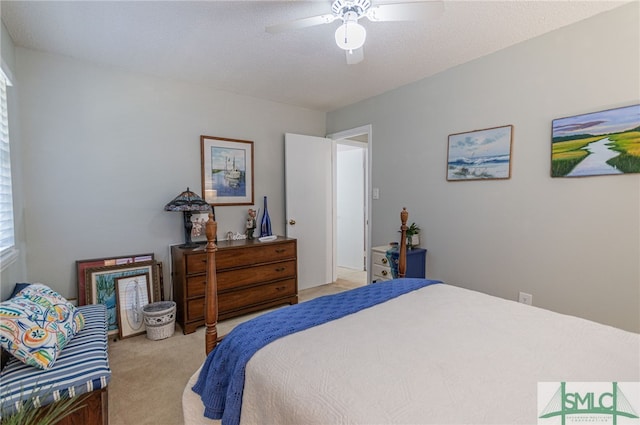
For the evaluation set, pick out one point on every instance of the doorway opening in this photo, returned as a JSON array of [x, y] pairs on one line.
[[352, 207]]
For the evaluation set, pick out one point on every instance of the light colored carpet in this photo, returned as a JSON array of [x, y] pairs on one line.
[[148, 377]]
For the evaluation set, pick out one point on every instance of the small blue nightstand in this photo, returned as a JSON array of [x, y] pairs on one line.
[[416, 262]]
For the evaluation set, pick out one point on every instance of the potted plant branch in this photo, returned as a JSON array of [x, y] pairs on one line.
[[31, 413], [413, 239]]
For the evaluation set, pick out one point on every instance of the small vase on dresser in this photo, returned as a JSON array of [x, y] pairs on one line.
[[265, 225]]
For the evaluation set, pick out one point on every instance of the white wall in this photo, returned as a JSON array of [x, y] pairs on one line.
[[105, 150], [574, 244]]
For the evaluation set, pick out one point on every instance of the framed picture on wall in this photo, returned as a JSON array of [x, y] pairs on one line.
[[480, 154], [199, 221], [227, 171], [596, 144]]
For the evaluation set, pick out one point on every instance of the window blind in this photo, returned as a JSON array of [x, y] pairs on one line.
[[7, 239]]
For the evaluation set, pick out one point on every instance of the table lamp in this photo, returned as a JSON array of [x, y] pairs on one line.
[[187, 202]]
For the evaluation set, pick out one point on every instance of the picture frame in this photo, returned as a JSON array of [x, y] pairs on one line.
[[100, 286], [227, 171], [162, 292], [597, 143], [132, 293], [480, 154], [82, 265], [199, 221]]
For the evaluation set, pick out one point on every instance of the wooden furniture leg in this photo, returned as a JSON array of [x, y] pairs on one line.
[[402, 258], [211, 288]]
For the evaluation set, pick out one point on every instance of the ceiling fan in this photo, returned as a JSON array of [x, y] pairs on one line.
[[350, 35]]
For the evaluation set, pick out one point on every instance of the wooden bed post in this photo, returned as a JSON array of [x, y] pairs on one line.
[[211, 288], [402, 258]]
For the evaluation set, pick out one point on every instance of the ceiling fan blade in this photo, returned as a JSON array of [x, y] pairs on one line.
[[355, 56], [301, 23], [416, 11]]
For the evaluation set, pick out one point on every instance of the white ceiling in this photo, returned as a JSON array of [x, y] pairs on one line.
[[223, 44]]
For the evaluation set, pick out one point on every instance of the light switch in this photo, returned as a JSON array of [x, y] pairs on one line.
[[376, 193]]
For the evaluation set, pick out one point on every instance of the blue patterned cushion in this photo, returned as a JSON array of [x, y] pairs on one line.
[[37, 324]]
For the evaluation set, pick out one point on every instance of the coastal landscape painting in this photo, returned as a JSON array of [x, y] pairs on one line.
[[480, 154], [227, 170], [598, 143]]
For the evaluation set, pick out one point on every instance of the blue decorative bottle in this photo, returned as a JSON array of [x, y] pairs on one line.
[[265, 225]]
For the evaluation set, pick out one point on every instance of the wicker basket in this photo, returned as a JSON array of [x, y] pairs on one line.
[[160, 319]]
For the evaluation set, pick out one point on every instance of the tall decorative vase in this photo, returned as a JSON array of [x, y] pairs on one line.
[[265, 225]]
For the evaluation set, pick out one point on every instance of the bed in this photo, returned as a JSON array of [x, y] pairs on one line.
[[430, 353]]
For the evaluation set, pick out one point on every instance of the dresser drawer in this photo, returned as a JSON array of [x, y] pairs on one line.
[[196, 263], [229, 279], [196, 285], [380, 258], [235, 300], [382, 272], [195, 309], [257, 294], [256, 254]]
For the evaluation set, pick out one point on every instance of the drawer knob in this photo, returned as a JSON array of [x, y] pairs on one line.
[[280, 250], [384, 272], [281, 269], [385, 261]]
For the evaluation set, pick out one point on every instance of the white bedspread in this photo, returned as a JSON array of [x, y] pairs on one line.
[[440, 355]]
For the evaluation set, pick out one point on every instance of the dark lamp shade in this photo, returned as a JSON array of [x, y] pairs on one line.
[[187, 201]]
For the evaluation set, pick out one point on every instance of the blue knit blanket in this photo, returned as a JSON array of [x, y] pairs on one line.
[[221, 381]]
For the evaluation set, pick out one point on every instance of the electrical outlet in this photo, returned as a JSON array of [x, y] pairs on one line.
[[525, 298]]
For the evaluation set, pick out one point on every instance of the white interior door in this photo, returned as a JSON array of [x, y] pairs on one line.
[[309, 198]]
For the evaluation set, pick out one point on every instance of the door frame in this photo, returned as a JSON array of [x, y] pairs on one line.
[[336, 138]]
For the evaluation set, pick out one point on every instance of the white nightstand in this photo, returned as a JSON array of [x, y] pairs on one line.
[[380, 264]]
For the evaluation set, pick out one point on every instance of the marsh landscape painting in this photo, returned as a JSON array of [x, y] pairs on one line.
[[598, 143], [480, 154]]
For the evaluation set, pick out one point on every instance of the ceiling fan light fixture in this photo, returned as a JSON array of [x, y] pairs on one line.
[[350, 35]]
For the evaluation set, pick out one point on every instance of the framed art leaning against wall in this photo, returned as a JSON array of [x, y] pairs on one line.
[[101, 286], [227, 171], [82, 265], [132, 294]]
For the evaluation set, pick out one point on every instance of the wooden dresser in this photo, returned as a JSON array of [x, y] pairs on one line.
[[252, 276]]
